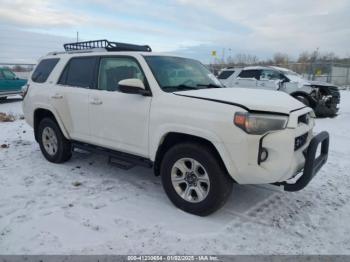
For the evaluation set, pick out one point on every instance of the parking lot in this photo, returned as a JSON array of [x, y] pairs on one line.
[[87, 206]]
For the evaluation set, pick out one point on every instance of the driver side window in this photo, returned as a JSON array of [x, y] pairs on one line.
[[270, 75], [112, 70]]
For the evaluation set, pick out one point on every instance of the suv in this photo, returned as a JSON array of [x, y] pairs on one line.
[[322, 97], [10, 84], [136, 107]]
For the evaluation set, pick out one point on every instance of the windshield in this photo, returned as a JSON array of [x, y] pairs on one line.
[[9, 75], [180, 74], [293, 76]]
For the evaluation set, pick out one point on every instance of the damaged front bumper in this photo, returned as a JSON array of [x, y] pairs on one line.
[[326, 101], [312, 163]]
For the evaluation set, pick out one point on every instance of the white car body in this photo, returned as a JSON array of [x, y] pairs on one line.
[[322, 97], [137, 125]]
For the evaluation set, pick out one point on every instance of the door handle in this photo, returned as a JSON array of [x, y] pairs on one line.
[[57, 96], [95, 101]]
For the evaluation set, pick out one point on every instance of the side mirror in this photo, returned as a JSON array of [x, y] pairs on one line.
[[133, 86]]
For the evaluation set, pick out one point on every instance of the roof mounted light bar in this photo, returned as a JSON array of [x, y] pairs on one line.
[[109, 46]]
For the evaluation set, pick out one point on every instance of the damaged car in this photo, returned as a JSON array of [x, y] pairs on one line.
[[322, 97]]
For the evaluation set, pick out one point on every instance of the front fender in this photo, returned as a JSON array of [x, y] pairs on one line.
[[160, 134]]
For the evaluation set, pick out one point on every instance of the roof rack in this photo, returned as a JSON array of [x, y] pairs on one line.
[[109, 46]]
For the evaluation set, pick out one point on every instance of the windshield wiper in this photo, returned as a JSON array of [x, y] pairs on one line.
[[210, 85]]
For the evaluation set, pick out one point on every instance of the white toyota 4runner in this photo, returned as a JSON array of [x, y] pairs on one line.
[[172, 114]]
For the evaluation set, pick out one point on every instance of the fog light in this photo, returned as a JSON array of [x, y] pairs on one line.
[[263, 155]]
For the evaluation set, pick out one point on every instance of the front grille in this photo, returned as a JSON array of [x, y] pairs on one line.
[[300, 141]]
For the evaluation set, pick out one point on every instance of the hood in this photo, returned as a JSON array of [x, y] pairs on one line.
[[304, 82], [248, 99], [318, 83], [22, 81]]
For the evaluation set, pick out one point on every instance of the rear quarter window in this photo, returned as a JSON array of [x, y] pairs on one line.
[[44, 69]]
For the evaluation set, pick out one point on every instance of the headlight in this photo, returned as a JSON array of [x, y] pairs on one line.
[[259, 124]]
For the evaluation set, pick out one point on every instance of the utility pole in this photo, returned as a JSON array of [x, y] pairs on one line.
[[77, 36], [223, 56]]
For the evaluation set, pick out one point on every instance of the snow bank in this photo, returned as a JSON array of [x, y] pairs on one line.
[[86, 206]]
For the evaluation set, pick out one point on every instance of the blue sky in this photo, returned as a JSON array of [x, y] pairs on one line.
[[192, 28]]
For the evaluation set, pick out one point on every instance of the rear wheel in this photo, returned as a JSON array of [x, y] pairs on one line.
[[194, 179], [54, 146]]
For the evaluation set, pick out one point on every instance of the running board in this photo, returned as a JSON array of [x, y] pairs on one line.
[[121, 159], [120, 163]]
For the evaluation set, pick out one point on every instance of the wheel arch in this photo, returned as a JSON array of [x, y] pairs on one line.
[[172, 138], [41, 113], [304, 94]]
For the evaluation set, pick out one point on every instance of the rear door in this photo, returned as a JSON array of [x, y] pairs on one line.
[[248, 78], [118, 120], [70, 96]]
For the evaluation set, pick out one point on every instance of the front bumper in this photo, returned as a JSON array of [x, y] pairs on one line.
[[312, 163], [10, 93]]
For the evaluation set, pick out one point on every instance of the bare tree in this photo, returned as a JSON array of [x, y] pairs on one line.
[[245, 59], [280, 59]]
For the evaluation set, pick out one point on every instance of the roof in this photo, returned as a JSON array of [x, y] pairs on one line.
[[99, 52], [281, 69]]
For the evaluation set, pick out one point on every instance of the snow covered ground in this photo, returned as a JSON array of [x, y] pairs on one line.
[[87, 206]]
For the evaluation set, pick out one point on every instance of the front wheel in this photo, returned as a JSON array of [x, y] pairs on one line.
[[194, 179]]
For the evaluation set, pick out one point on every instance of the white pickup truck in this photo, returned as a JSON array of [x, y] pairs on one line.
[[172, 114]]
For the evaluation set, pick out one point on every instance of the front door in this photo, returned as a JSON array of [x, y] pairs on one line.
[[118, 120], [269, 79], [248, 78]]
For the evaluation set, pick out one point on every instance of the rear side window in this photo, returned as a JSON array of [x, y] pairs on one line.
[[79, 71], [250, 74], [44, 69], [225, 74]]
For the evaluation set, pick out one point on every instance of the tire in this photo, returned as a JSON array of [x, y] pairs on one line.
[[3, 98], [54, 146], [210, 169], [303, 99]]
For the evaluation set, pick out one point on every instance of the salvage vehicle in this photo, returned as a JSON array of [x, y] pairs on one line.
[[322, 97], [10, 84], [140, 108]]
